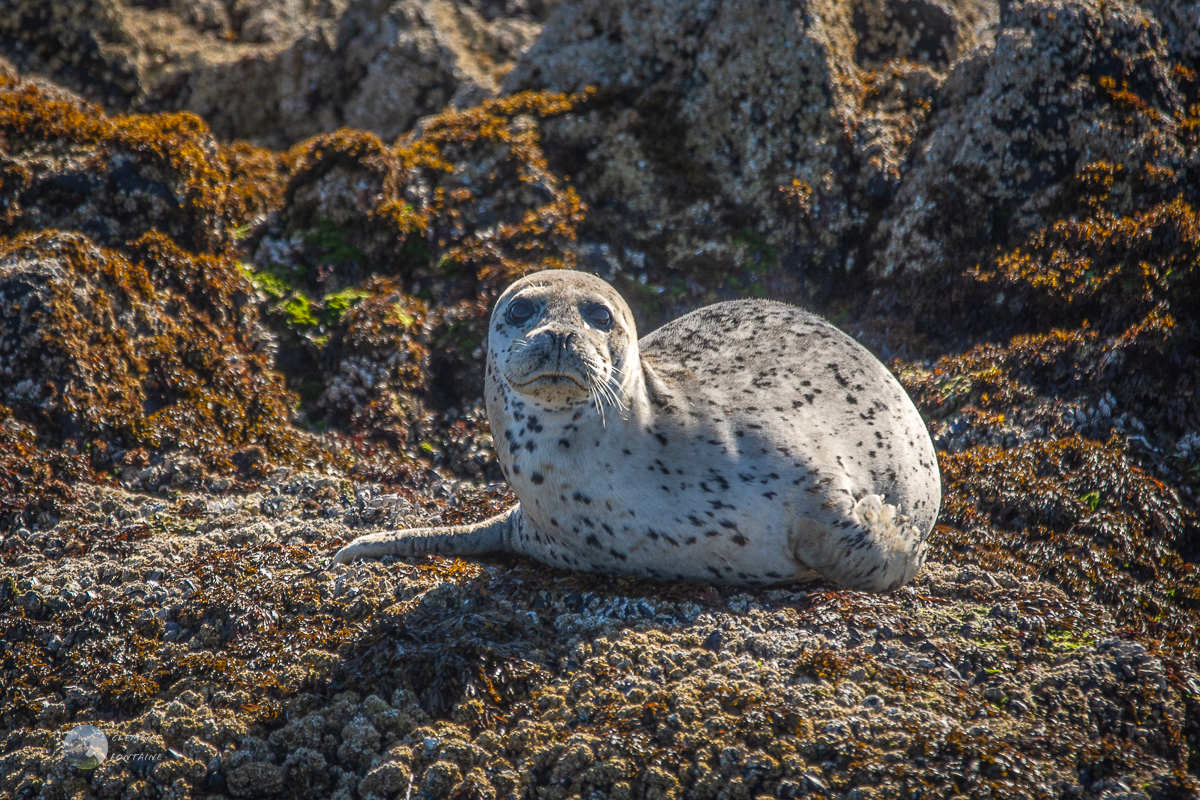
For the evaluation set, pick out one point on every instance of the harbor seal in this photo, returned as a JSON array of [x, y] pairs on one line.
[[748, 442]]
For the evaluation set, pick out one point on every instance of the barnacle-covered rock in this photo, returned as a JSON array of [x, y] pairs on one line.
[[67, 165], [81, 43], [1076, 99], [104, 350], [255, 779], [471, 197], [728, 140], [34, 481], [273, 70], [1056, 454], [375, 357], [509, 680]]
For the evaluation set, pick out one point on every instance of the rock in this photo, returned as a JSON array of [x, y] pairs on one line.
[[1069, 87], [255, 779], [360, 742], [138, 384], [376, 355], [118, 178], [80, 42], [733, 139], [439, 780], [305, 773], [386, 780], [274, 70]]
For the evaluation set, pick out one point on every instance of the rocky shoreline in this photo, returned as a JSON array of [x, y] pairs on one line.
[[247, 251]]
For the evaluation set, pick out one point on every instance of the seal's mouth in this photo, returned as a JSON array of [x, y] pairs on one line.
[[552, 379]]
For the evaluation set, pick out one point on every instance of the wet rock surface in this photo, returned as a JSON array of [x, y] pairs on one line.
[[222, 359]]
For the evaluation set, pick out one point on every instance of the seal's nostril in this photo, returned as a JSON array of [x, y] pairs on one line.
[[559, 340]]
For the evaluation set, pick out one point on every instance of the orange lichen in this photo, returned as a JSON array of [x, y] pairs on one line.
[[1106, 266], [216, 188], [145, 352], [1081, 514]]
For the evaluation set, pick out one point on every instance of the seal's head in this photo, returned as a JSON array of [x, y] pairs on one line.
[[561, 337]]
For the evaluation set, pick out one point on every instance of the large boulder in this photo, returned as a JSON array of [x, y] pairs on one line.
[[1074, 94], [735, 137]]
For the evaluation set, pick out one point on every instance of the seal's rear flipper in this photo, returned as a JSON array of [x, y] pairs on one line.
[[873, 548]]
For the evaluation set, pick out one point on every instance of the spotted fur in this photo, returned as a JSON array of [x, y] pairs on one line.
[[748, 442]]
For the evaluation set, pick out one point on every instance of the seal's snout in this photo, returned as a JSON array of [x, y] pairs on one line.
[[558, 338], [557, 348], [554, 364]]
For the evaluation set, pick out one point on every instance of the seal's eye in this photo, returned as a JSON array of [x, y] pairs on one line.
[[519, 311], [600, 316]]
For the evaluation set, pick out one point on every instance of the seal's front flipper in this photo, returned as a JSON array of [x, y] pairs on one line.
[[490, 536]]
